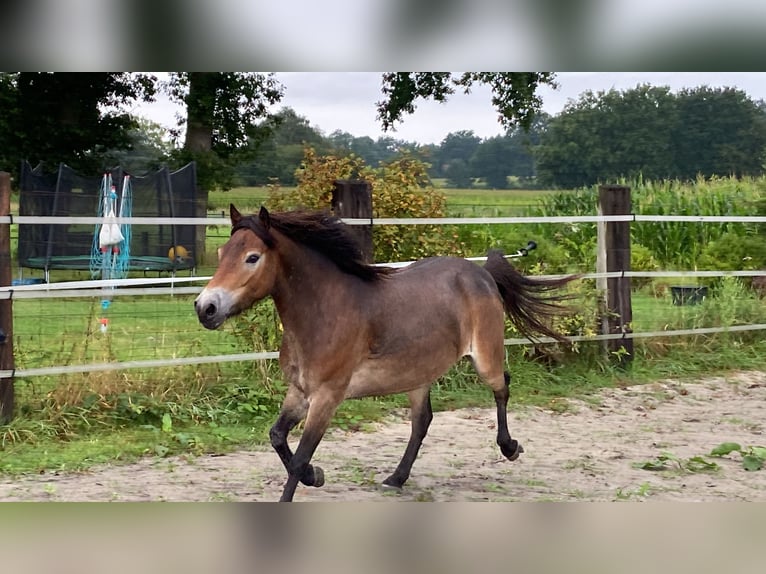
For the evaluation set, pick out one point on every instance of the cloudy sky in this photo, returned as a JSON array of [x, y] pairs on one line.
[[346, 100]]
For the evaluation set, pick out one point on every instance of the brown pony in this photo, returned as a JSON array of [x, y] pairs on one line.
[[355, 330]]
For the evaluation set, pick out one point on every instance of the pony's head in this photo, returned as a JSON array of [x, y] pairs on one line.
[[247, 270]]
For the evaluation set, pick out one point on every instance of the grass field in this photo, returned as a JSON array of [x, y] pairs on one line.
[[491, 203], [460, 202]]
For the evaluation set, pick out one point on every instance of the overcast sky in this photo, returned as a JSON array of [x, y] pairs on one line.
[[346, 100]]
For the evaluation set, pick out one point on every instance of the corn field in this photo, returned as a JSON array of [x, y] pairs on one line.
[[672, 245]]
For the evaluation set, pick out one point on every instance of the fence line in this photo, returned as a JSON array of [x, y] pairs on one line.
[[271, 355], [140, 286], [213, 221]]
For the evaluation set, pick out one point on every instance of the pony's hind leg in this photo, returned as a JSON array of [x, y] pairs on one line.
[[293, 411], [421, 416], [499, 380], [510, 448]]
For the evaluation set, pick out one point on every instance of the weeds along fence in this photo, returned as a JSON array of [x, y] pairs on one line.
[[153, 326]]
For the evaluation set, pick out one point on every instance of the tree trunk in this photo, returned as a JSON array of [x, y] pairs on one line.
[[200, 104]]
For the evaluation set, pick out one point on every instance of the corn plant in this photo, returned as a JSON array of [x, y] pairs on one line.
[[673, 245]]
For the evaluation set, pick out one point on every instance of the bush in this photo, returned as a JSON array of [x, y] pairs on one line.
[[733, 252], [641, 259], [400, 188], [731, 303]]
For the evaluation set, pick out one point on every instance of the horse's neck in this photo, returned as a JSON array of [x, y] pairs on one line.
[[309, 289]]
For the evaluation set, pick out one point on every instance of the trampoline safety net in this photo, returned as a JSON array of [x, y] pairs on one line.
[[67, 193]]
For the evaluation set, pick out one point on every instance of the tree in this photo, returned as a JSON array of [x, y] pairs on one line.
[[459, 174], [500, 157], [9, 158], [222, 110], [491, 162], [280, 152], [720, 131], [521, 144], [149, 148], [69, 117], [373, 152], [650, 132], [609, 135], [222, 114], [513, 93], [456, 146]]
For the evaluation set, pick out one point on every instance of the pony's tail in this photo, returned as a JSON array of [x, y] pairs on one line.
[[528, 301]]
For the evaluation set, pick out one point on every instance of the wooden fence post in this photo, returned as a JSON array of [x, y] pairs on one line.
[[6, 305], [614, 256], [352, 198]]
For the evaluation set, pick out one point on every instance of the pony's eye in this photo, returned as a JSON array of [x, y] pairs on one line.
[[252, 258]]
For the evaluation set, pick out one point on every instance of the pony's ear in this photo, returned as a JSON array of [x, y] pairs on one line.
[[235, 215], [263, 215]]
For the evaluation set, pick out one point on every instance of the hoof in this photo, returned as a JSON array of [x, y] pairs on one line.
[[392, 483], [318, 477], [512, 453], [313, 476]]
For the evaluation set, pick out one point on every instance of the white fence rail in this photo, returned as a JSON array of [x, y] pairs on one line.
[[70, 220]]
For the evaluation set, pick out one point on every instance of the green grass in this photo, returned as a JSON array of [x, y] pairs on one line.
[[68, 331], [246, 199], [491, 203], [122, 446], [460, 202], [45, 444]]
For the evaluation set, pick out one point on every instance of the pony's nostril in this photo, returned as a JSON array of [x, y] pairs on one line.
[[210, 310]]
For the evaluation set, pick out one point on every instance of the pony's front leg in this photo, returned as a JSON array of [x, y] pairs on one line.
[[320, 412], [293, 411]]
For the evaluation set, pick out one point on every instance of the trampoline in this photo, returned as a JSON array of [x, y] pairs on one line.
[[153, 248]]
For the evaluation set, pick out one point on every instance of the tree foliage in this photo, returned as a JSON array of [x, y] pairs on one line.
[[718, 131], [514, 94], [150, 148], [68, 117], [277, 153], [222, 114], [85, 121], [455, 153], [650, 132], [372, 152]]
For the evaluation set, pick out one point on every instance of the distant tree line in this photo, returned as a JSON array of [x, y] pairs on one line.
[[462, 159], [651, 132], [646, 132]]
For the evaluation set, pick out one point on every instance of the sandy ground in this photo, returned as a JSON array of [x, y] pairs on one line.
[[588, 453]]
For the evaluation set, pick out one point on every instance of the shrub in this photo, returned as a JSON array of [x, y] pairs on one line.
[[400, 188], [732, 252], [641, 259], [732, 303]]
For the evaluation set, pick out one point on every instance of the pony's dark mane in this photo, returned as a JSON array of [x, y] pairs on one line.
[[319, 231]]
